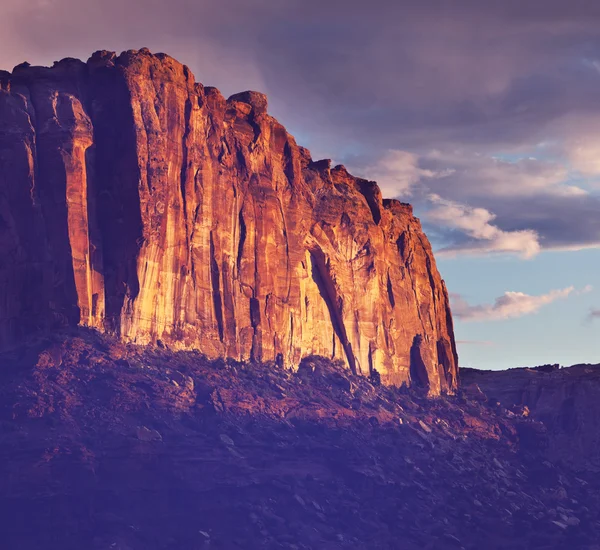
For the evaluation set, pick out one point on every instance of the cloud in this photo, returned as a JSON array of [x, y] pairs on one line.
[[403, 74], [508, 306], [593, 314], [585, 157], [478, 204], [475, 343], [397, 172], [480, 176], [482, 236]]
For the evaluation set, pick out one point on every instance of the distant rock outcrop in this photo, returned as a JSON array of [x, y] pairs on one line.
[[565, 400], [141, 203]]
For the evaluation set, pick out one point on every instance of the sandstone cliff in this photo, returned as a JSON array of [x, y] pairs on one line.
[[139, 202]]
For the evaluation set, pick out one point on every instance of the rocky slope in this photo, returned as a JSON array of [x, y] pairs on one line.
[[110, 446], [139, 202], [566, 400]]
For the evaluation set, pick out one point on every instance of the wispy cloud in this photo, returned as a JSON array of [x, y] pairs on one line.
[[508, 306], [475, 343], [488, 175]]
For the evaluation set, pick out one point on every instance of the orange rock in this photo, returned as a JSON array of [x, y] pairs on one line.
[[138, 202]]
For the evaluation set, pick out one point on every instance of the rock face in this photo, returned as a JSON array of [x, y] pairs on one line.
[[141, 203], [565, 400]]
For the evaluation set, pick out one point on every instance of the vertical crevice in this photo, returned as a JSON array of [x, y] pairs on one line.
[[445, 361], [406, 256], [216, 290], [241, 163], [115, 192], [241, 242], [291, 337], [390, 291], [369, 190], [256, 351], [322, 278], [401, 244], [428, 265], [287, 252], [51, 187], [418, 369], [184, 157], [95, 240], [94, 304], [254, 312], [288, 163], [431, 279], [229, 310]]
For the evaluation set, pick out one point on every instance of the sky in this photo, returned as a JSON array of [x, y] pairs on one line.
[[484, 115]]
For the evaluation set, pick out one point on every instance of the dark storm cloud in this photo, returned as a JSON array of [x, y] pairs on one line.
[[432, 75], [413, 74], [421, 95]]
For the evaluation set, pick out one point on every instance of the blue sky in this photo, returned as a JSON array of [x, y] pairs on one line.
[[560, 332], [484, 115]]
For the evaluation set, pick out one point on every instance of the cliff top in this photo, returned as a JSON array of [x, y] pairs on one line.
[[135, 59]]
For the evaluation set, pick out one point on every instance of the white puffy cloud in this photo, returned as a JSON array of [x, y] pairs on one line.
[[460, 191], [482, 236], [507, 306], [397, 172], [479, 204]]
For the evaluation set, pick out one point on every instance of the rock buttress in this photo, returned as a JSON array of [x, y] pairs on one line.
[[136, 201]]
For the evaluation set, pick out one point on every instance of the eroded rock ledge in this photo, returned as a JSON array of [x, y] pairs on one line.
[[141, 203]]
